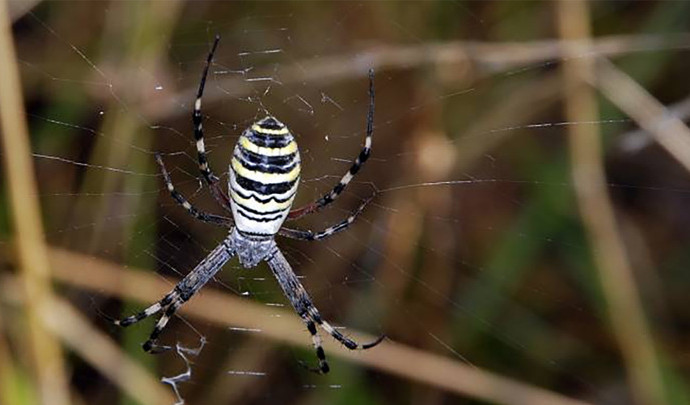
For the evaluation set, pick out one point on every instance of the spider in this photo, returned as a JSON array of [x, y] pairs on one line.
[[263, 177]]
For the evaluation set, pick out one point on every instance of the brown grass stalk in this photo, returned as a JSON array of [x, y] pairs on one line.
[[486, 57], [105, 355], [47, 359], [107, 278], [95, 348], [667, 129], [19, 8], [638, 139], [623, 304]]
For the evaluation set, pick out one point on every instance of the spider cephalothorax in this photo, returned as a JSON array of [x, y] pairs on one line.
[[251, 250], [263, 179]]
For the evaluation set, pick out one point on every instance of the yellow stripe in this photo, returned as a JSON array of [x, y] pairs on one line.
[[260, 206], [261, 150], [265, 178], [262, 130]]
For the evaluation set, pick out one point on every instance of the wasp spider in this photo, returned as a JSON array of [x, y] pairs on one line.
[[264, 173]]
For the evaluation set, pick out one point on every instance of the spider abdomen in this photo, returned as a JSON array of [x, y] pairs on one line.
[[264, 173]]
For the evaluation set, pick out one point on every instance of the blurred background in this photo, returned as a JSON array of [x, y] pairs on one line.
[[527, 242]]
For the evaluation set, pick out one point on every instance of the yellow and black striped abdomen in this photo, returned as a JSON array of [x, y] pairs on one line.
[[264, 174]]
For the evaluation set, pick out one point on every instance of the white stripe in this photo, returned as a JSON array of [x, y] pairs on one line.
[[346, 178], [327, 327], [153, 309], [316, 339], [259, 206]]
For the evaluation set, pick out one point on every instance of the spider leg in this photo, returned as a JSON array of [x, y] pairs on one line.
[[183, 291], [195, 212], [323, 367], [295, 293], [356, 164], [150, 345], [309, 235], [209, 177], [150, 311], [344, 340], [303, 305]]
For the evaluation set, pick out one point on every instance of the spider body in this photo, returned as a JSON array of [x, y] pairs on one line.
[[263, 176]]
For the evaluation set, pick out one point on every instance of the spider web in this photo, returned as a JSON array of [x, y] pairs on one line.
[[473, 248]]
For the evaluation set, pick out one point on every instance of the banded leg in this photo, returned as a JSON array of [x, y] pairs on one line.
[[310, 236], [150, 311], [347, 342], [195, 212], [171, 302], [356, 164], [316, 341], [183, 291], [209, 177], [304, 307], [150, 346]]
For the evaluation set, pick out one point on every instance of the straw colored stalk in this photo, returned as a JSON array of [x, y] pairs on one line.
[[95, 347], [103, 277], [46, 353], [666, 128], [460, 57], [616, 275]]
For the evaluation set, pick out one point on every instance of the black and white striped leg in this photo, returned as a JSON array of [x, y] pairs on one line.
[[197, 120], [305, 308], [344, 340], [323, 367], [150, 345], [356, 164], [309, 235], [150, 311], [170, 303], [183, 291], [195, 212]]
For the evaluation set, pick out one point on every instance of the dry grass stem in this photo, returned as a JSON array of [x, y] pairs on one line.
[[667, 129], [95, 348], [638, 139], [48, 366], [18, 8], [490, 57], [618, 285], [108, 278], [105, 355]]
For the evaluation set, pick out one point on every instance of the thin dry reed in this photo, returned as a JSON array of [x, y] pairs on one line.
[[47, 358], [453, 376], [623, 304]]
